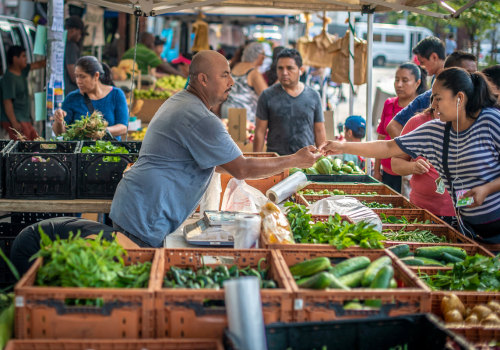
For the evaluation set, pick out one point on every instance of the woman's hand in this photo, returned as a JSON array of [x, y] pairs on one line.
[[479, 194], [330, 147], [421, 166], [59, 115]]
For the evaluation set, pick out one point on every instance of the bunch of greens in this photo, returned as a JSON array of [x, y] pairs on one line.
[[104, 147], [334, 231], [88, 127], [422, 236], [79, 262], [391, 219], [376, 205], [478, 273]]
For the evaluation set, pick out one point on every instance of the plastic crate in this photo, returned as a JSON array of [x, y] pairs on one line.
[[41, 312], [413, 296], [396, 201], [28, 218], [343, 178], [5, 145], [42, 170], [353, 189], [419, 331], [8, 233], [116, 344], [452, 236], [201, 313], [100, 173], [421, 215]]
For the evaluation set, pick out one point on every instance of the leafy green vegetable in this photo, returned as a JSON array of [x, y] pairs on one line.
[[478, 273], [377, 205], [424, 236], [391, 219], [106, 147], [335, 231], [88, 127]]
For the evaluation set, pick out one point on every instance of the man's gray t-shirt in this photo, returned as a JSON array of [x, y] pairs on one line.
[[290, 119], [183, 144]]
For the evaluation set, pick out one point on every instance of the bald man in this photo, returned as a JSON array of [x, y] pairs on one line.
[[146, 57], [184, 144]]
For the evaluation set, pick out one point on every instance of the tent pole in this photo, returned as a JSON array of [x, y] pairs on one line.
[[284, 38], [351, 66], [369, 64]]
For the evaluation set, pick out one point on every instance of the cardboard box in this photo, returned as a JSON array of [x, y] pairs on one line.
[[237, 124], [149, 109]]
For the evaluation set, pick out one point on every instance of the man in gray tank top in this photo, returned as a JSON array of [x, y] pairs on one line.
[[290, 112]]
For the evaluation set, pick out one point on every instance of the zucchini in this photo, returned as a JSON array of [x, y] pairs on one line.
[[421, 261], [436, 252], [400, 250], [310, 267], [320, 280], [353, 279], [383, 278], [336, 284], [350, 265], [451, 258], [373, 269]]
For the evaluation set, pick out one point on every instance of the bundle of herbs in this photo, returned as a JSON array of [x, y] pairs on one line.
[[335, 231], [79, 262], [88, 127]]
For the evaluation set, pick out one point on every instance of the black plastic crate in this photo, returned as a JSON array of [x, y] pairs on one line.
[[42, 169], [8, 232], [410, 332], [99, 173], [5, 145], [28, 218], [365, 179]]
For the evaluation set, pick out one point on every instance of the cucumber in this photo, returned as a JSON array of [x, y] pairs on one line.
[[373, 269], [400, 250], [421, 261], [336, 284], [436, 252], [321, 280], [451, 258], [393, 284], [310, 267], [383, 278], [353, 279], [350, 265]]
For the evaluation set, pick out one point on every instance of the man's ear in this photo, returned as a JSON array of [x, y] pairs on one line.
[[434, 57], [203, 79]]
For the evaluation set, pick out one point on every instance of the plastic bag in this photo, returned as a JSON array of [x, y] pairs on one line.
[[347, 206], [239, 196], [275, 226], [211, 198]]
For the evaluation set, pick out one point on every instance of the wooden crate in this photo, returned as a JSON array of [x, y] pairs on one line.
[[353, 189]]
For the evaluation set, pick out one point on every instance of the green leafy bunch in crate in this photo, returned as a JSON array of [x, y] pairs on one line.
[[106, 147]]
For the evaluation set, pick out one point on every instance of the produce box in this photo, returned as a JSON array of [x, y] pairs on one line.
[[343, 178], [42, 170], [410, 215], [116, 344], [201, 313], [5, 145], [400, 332], [395, 201], [352, 189], [8, 233], [43, 313], [100, 173], [411, 296], [451, 235], [149, 109]]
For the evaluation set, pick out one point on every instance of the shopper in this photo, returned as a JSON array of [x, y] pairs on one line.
[[96, 93], [290, 112], [462, 146], [184, 144], [493, 75], [75, 29], [355, 131], [451, 45], [410, 81], [271, 76], [27, 242], [248, 82], [16, 111]]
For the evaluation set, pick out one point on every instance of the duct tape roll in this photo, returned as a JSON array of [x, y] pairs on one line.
[[244, 313], [284, 189]]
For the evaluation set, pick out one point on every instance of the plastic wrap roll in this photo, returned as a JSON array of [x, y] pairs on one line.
[[284, 189]]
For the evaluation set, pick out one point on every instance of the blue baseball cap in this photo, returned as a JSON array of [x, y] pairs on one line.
[[354, 122]]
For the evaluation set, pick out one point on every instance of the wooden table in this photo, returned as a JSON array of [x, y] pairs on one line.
[[56, 205]]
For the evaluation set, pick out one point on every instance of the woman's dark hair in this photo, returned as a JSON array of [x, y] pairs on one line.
[[493, 75], [418, 73], [272, 76], [475, 86], [290, 53], [91, 66]]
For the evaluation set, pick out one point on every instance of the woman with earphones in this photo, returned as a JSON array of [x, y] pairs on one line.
[[463, 145]]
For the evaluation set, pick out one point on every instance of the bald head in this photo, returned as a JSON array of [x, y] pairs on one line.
[[206, 62]]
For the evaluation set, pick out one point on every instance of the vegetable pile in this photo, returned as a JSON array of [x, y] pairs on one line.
[[376, 205], [429, 256], [79, 262], [334, 192], [88, 127], [208, 277], [478, 273], [329, 166], [171, 82], [152, 94], [422, 236], [391, 219], [335, 231], [454, 311]]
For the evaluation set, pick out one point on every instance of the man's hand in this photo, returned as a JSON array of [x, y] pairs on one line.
[[306, 157], [479, 194], [421, 166], [331, 147]]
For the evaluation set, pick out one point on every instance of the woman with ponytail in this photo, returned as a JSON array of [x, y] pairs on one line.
[[96, 92], [463, 145]]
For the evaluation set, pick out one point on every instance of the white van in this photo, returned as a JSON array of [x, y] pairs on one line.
[[392, 43]]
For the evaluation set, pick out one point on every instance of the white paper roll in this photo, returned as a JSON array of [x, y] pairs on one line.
[[244, 313], [284, 189]]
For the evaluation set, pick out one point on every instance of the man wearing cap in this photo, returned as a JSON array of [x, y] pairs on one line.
[[355, 130], [146, 56], [75, 29]]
